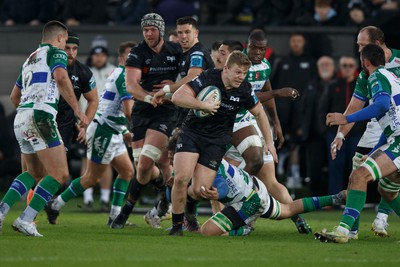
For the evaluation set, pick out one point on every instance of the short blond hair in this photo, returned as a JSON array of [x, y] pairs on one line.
[[238, 58]]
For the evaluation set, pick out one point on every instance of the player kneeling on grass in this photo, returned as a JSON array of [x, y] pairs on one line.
[[246, 198]]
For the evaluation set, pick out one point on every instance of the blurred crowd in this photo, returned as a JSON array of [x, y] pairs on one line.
[[208, 12]]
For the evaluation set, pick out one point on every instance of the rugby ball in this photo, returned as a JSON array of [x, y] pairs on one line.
[[206, 93]]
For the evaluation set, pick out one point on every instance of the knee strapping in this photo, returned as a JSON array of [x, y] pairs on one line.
[[386, 185], [373, 168], [151, 151], [136, 153], [250, 141]]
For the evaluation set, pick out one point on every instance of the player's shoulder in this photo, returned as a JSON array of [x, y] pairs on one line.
[[173, 48]]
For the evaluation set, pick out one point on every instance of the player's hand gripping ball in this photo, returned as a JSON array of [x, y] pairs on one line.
[[210, 91]]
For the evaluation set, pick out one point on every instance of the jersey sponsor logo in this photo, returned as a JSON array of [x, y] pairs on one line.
[[228, 107], [235, 99], [133, 55], [257, 75], [145, 70], [74, 78], [163, 127], [171, 58], [148, 61], [60, 56], [179, 146]]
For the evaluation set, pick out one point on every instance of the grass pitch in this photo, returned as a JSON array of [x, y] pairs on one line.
[[83, 239]]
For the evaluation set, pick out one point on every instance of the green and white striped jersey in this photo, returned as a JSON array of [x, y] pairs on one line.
[[110, 104], [38, 88], [381, 81]]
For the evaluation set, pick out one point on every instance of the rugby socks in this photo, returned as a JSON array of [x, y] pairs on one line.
[[395, 205], [355, 203], [316, 203], [384, 207], [105, 195], [75, 189], [177, 220], [191, 206], [18, 188], [135, 189], [44, 191], [119, 190], [237, 232]]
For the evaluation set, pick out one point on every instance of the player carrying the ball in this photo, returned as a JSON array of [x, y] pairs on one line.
[[202, 142]]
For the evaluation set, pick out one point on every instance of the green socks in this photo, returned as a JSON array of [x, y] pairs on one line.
[[355, 203], [18, 188], [119, 190], [44, 191], [74, 189]]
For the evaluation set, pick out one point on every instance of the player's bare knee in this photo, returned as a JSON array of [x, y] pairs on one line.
[[253, 164], [360, 175]]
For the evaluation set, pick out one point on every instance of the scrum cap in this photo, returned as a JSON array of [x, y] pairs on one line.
[[153, 19]]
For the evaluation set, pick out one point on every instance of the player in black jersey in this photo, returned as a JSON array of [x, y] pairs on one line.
[[84, 84], [150, 63], [202, 142], [195, 59]]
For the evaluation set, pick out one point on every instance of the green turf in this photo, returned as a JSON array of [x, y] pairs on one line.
[[82, 239]]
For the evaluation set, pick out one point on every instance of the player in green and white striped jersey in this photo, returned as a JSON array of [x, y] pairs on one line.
[[370, 138], [384, 88], [43, 77], [105, 137]]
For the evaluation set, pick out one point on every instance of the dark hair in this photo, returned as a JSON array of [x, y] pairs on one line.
[[233, 45], [257, 35], [374, 34], [216, 45], [187, 20], [374, 53], [52, 28], [124, 45]]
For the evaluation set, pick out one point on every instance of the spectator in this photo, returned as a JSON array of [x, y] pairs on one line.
[[294, 70], [359, 11], [313, 126], [32, 12], [336, 99], [130, 12], [77, 12]]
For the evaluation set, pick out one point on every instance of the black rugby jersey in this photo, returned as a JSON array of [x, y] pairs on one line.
[[220, 125], [82, 81], [155, 68], [196, 57]]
